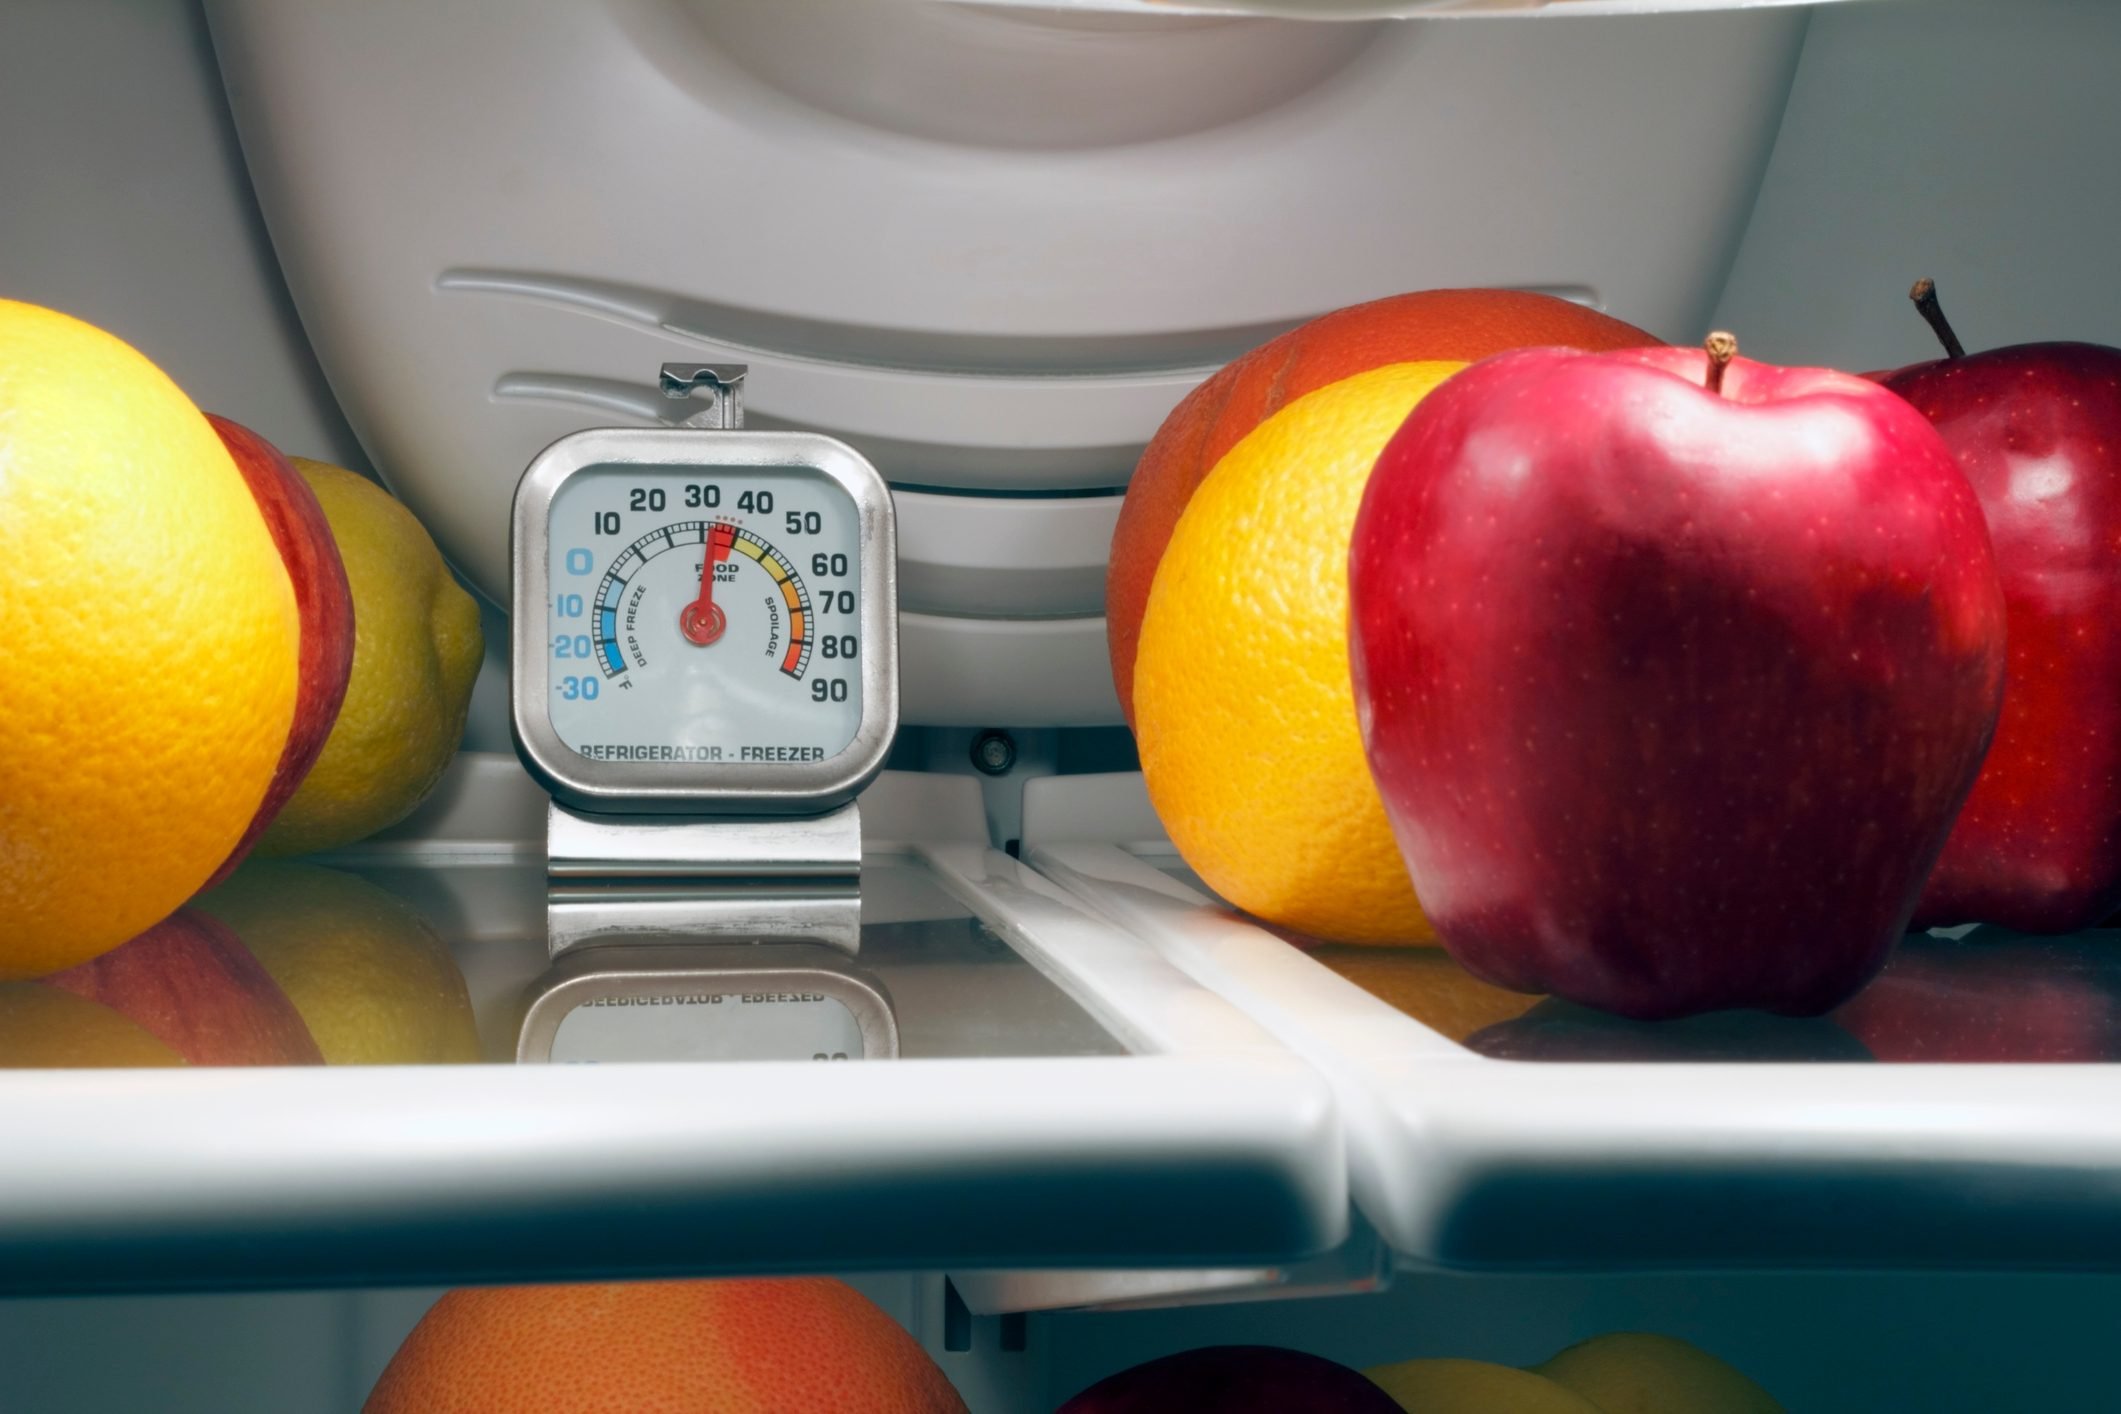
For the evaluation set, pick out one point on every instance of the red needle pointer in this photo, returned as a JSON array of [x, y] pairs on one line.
[[702, 621]]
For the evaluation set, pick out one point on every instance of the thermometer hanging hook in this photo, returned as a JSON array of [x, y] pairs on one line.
[[722, 384]]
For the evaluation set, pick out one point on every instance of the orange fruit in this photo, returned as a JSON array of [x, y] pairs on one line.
[[1244, 709], [805, 1345], [152, 644], [1453, 326]]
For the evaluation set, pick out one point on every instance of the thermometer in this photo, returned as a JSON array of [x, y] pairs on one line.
[[705, 618]]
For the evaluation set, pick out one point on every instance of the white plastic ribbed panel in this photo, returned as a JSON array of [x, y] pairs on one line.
[[991, 247]]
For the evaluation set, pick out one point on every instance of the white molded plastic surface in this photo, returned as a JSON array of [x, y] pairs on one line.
[[1463, 1161], [497, 231], [1003, 556], [956, 672]]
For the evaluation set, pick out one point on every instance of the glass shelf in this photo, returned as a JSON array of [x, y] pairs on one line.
[[306, 1080]]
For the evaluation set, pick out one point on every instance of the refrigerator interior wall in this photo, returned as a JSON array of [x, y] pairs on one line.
[[1968, 141]]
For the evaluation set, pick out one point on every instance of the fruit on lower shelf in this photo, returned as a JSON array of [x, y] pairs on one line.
[[803, 1345], [2037, 430], [191, 984], [1235, 1379], [1623, 1372], [323, 601], [1637, 1372], [1451, 326], [1673, 670], [1449, 1386]]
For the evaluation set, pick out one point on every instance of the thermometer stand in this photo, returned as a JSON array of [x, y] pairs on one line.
[[616, 879]]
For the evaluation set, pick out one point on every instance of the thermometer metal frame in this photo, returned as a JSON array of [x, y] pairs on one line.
[[693, 787]]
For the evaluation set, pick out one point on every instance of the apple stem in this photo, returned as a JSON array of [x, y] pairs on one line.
[[1925, 297], [1722, 349]]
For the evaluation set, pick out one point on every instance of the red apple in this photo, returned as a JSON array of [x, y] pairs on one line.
[[325, 603], [190, 984], [1672, 674], [1234, 1379], [2037, 430], [1993, 999]]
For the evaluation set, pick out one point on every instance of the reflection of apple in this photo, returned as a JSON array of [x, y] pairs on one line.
[[1672, 669], [325, 603], [1556, 1030], [375, 984], [1994, 998], [1234, 1379], [1476, 1387], [2037, 430], [195, 988], [44, 1028]]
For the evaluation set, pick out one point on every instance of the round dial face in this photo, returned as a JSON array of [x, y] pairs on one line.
[[704, 614]]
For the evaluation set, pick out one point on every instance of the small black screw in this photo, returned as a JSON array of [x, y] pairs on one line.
[[993, 753]]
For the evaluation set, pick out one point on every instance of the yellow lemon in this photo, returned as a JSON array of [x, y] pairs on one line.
[[1474, 1387], [151, 644], [417, 647], [1243, 707], [371, 979], [1636, 1372]]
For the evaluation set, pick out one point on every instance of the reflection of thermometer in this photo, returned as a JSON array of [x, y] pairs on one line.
[[663, 1002], [704, 619]]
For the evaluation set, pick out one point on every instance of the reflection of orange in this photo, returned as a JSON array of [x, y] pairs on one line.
[[797, 1346], [1426, 985], [43, 1027], [1451, 325]]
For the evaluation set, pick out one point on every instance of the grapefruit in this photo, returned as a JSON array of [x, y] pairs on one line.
[[1457, 326], [805, 1345]]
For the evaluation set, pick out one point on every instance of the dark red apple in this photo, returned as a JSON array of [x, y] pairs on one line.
[[193, 986], [1672, 674], [2037, 430], [324, 601], [2012, 998], [1234, 1379]]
